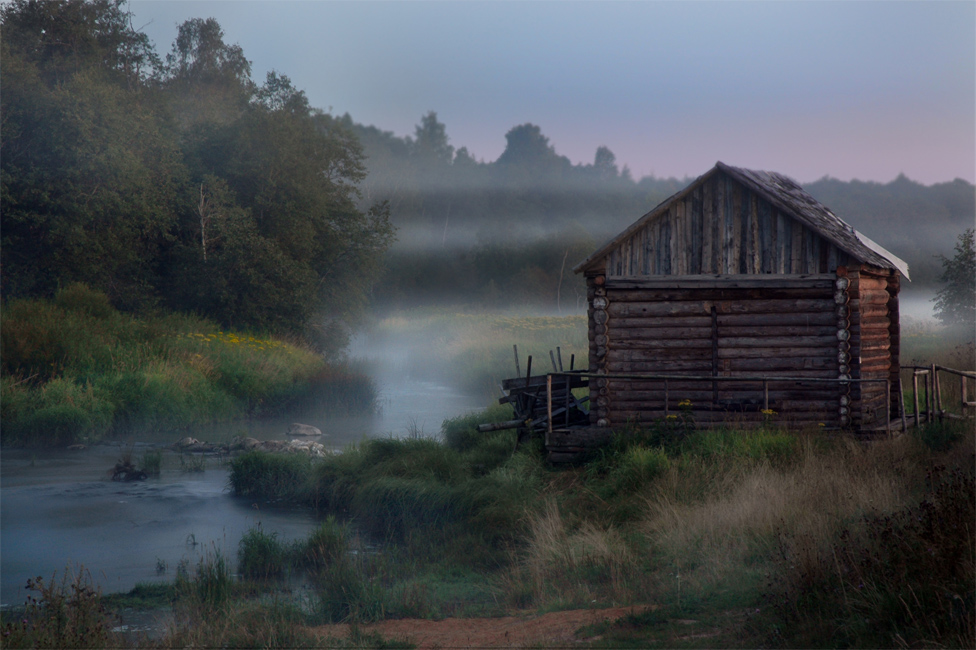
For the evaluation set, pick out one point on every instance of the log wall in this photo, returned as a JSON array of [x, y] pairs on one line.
[[721, 227], [774, 326], [874, 343]]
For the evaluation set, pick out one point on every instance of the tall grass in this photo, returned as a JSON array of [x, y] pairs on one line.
[[74, 369], [65, 613]]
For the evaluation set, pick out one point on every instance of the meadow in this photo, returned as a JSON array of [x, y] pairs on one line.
[[75, 370]]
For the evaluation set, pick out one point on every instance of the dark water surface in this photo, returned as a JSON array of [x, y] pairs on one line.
[[60, 508]]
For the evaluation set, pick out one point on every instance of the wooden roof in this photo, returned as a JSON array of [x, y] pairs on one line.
[[791, 199]]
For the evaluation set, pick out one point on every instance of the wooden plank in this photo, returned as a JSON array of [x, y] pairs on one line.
[[662, 322], [659, 333], [759, 353], [725, 281], [653, 344], [813, 319], [755, 263], [810, 319], [771, 342], [678, 295], [616, 356], [619, 309]]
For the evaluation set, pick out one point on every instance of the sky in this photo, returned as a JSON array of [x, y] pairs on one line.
[[846, 89]]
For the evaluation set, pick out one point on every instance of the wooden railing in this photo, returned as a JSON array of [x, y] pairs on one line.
[[931, 386]]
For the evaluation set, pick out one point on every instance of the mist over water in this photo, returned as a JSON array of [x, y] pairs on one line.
[[60, 508]]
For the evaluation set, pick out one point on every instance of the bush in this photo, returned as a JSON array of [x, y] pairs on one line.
[[271, 476], [260, 555], [325, 546], [905, 578], [65, 614]]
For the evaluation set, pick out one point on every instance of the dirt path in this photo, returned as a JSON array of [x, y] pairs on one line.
[[553, 630]]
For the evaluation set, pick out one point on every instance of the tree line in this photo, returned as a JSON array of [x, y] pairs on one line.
[[175, 182], [490, 231]]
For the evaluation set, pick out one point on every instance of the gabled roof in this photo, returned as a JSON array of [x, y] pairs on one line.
[[788, 197]]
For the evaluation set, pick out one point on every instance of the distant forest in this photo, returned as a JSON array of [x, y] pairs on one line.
[[178, 182], [498, 232]]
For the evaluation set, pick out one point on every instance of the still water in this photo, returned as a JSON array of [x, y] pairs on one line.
[[60, 508]]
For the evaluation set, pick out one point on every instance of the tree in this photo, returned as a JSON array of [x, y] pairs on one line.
[[431, 143], [955, 303], [88, 171]]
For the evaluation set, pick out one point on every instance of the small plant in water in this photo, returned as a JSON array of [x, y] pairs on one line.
[[192, 463], [161, 566], [152, 462]]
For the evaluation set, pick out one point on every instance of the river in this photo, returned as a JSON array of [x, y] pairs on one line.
[[59, 508]]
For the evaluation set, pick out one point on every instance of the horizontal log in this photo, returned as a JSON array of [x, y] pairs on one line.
[[500, 426], [659, 333], [665, 366], [805, 419], [870, 299], [643, 343], [793, 318], [650, 322], [750, 281], [865, 283], [725, 383], [823, 351], [703, 308], [771, 342], [616, 356], [718, 294], [809, 319], [700, 398]]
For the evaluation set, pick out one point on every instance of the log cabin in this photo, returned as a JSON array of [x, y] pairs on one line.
[[742, 299]]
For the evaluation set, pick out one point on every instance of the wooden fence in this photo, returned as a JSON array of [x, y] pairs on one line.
[[929, 405]]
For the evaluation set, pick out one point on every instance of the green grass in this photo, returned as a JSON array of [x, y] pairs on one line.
[[73, 369]]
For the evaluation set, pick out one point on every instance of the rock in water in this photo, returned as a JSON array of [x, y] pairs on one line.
[[298, 429]]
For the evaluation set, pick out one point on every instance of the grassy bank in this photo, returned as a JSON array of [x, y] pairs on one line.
[[758, 539], [74, 369]]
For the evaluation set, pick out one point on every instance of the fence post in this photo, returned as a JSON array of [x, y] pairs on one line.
[[765, 394], [915, 394], [887, 409], [549, 402], [666, 398], [901, 404], [962, 394]]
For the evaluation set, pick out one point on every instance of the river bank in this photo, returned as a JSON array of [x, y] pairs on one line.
[[75, 370]]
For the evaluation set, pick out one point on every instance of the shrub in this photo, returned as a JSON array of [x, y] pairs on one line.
[[325, 546], [271, 476], [65, 614], [903, 578], [260, 555]]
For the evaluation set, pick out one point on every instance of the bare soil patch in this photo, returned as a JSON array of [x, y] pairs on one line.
[[553, 630]]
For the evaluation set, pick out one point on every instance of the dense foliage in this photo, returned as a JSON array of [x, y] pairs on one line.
[[179, 182], [75, 369]]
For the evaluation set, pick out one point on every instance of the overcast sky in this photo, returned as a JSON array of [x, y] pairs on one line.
[[848, 89]]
